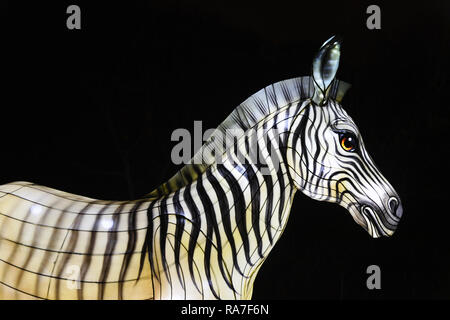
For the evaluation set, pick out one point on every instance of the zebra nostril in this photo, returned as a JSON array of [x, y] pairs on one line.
[[394, 206]]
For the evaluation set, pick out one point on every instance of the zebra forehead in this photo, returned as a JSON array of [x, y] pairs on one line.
[[335, 115], [344, 123]]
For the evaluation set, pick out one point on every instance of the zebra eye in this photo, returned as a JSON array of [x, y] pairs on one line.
[[348, 141]]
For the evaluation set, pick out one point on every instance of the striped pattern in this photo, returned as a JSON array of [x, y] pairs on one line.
[[206, 232], [324, 171], [50, 238]]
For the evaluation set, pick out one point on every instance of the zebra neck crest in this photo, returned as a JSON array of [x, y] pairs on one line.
[[245, 116]]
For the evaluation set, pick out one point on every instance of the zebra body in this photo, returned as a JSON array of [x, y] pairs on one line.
[[226, 217], [205, 233]]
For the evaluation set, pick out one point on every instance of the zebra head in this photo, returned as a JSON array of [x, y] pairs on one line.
[[327, 157]]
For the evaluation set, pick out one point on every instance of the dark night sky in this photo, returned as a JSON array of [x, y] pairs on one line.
[[91, 112]]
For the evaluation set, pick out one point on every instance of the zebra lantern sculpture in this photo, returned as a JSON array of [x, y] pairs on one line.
[[205, 233]]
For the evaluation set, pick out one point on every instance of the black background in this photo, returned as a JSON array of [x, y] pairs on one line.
[[91, 112]]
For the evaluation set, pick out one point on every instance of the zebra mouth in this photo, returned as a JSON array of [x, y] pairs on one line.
[[377, 223]]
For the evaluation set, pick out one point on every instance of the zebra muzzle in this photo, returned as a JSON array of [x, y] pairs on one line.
[[383, 223]]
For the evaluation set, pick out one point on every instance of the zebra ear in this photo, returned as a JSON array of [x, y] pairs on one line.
[[324, 68]]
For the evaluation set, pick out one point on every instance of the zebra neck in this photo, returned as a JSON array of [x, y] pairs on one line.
[[258, 198], [214, 233], [222, 226]]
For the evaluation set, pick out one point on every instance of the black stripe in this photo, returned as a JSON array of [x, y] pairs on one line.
[[71, 246], [196, 225], [179, 229], [163, 223], [280, 176], [131, 246], [110, 246], [226, 222], [269, 204], [211, 228], [147, 247], [318, 145], [88, 258], [282, 195], [239, 208], [250, 174], [300, 134]]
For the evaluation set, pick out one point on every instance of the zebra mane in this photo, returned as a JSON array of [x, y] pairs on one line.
[[245, 116]]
